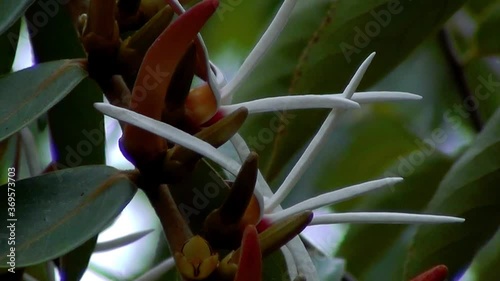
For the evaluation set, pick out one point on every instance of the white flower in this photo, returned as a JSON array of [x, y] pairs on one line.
[[271, 210], [270, 206]]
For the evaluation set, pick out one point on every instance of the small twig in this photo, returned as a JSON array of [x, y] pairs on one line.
[[459, 76], [175, 227]]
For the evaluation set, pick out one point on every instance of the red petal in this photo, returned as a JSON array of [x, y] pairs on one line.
[[155, 73], [250, 263], [437, 273]]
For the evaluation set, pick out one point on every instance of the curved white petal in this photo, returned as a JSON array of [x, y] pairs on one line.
[[121, 242], [333, 197], [383, 218], [156, 272], [171, 133], [259, 50], [291, 266], [292, 102], [316, 143], [305, 266], [383, 96]]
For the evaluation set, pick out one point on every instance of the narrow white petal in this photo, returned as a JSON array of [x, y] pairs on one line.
[[259, 50], [170, 133], [319, 101], [292, 102], [356, 79], [290, 262], [305, 266], [334, 197], [383, 218], [156, 272], [383, 96], [32, 156], [316, 143], [121, 242]]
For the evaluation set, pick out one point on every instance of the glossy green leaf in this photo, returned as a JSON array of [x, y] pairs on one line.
[[77, 129], [319, 51], [469, 190], [486, 37], [28, 93], [10, 11], [8, 46], [59, 211]]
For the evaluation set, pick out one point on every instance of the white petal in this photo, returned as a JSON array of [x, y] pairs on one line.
[[292, 102], [170, 133], [259, 50], [121, 242], [305, 266], [356, 79], [30, 149], [382, 96], [156, 272], [316, 143], [333, 197], [291, 267], [383, 218]]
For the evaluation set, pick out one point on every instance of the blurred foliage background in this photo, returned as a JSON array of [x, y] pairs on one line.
[[446, 146]]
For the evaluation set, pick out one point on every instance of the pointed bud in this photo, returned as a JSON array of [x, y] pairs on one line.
[[216, 135], [196, 260], [133, 49], [155, 75], [222, 226], [241, 192], [250, 261], [173, 112]]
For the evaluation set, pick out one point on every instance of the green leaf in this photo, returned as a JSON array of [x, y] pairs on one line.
[[411, 195], [59, 211], [77, 129], [8, 46], [28, 93], [319, 51], [469, 190], [10, 11], [486, 36], [73, 264], [486, 263]]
